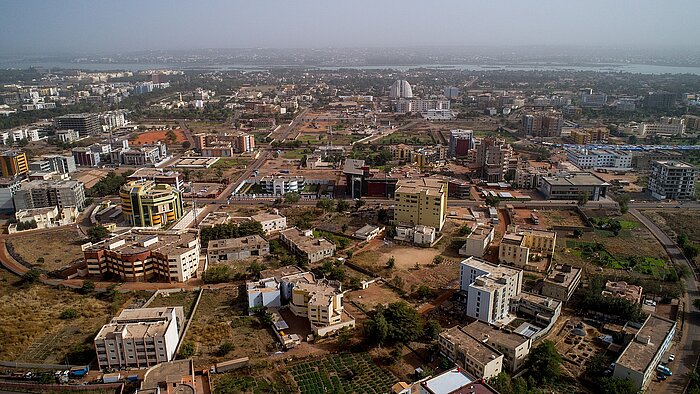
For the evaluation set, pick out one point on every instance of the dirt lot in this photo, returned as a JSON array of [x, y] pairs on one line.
[[31, 329], [184, 299], [676, 221], [577, 350], [376, 293], [221, 317], [90, 177], [153, 136], [549, 218], [49, 250]]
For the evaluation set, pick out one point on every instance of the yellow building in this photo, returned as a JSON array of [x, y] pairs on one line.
[[13, 163], [520, 248], [421, 201], [147, 204], [320, 302]]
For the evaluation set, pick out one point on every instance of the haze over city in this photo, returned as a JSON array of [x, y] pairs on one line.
[[35, 27]]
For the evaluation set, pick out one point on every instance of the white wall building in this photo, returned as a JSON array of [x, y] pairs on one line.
[[590, 158], [489, 288], [673, 180]]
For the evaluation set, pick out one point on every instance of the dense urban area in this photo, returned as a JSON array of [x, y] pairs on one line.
[[348, 230]]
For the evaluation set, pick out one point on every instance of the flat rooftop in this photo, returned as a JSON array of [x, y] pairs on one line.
[[447, 382], [675, 164], [484, 332], [472, 346], [264, 217], [577, 179], [251, 241], [481, 232], [495, 270], [639, 353], [279, 273], [308, 244], [432, 186], [563, 275], [134, 242]]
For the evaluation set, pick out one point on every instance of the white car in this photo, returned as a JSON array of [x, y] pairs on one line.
[[671, 357]]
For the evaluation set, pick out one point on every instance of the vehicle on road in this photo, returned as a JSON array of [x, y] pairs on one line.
[[671, 357]]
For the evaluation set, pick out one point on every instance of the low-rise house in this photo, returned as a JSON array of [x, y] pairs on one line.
[[631, 293], [478, 241], [304, 244], [367, 232], [514, 347], [527, 247], [543, 310], [477, 358], [241, 248], [264, 293], [418, 235], [561, 282], [270, 222]]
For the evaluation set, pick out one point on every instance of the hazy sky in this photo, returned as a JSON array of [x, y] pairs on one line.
[[34, 26]]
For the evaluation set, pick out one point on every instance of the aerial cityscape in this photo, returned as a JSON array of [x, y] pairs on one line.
[[310, 197]]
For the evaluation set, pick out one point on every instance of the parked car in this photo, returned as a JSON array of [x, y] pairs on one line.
[[671, 357]]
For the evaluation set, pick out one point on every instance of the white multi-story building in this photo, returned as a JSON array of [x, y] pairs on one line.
[[593, 158], [420, 105], [241, 248], [139, 338], [478, 240], [400, 89], [280, 185], [114, 119], [270, 222], [475, 355], [673, 180], [667, 125], [489, 288]]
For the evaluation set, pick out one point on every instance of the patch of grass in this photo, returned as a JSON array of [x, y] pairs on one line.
[[628, 224], [231, 162]]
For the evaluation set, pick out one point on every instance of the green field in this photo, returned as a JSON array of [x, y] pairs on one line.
[[344, 373], [597, 254]]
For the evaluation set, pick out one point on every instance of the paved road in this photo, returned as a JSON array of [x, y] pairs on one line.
[[688, 347]]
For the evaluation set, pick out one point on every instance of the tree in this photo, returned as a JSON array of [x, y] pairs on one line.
[[254, 269], [344, 337], [465, 230], [224, 349], [325, 204], [544, 362], [391, 262], [359, 203], [632, 139], [696, 303], [612, 385], [69, 313], [342, 206], [615, 227], [217, 274], [291, 197], [583, 198], [87, 287], [624, 203], [31, 276], [376, 329], [186, 145], [97, 233], [424, 292], [578, 233], [344, 227], [492, 201], [187, 350], [431, 329], [438, 259], [405, 324]]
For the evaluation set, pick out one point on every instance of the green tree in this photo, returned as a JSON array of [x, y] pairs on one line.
[[31, 276], [544, 362], [438, 259], [578, 233], [342, 206], [612, 385], [624, 203], [492, 201], [217, 274], [292, 197], [615, 227], [187, 350], [465, 230], [325, 204], [254, 269], [376, 329], [97, 233], [405, 324], [359, 203], [68, 314], [87, 287], [583, 198], [696, 303], [424, 292], [391, 262], [431, 329], [224, 349]]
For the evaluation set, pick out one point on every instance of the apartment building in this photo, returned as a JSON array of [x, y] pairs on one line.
[[477, 357], [590, 136], [597, 158], [145, 203], [514, 347], [221, 250], [305, 245], [421, 201], [139, 256], [639, 359], [85, 124], [561, 282], [543, 310], [139, 338], [571, 186], [478, 240], [279, 185], [8, 188], [67, 136], [87, 156], [320, 301], [666, 126], [54, 163], [236, 142], [528, 176], [461, 141], [42, 194], [673, 180], [542, 124], [491, 159], [403, 106], [13, 163], [489, 288], [270, 222], [520, 247], [144, 155]]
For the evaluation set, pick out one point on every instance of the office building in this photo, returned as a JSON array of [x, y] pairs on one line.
[[594, 100], [660, 100], [451, 92], [421, 201], [85, 124], [280, 185], [159, 176], [542, 124], [88, 156], [489, 288], [400, 89], [526, 248], [67, 136], [270, 222], [461, 142], [543, 310], [598, 135], [8, 188], [13, 163], [114, 119], [643, 354], [42, 194], [561, 282], [667, 126], [145, 155], [145, 203], [476, 356], [478, 240], [674, 180], [140, 256], [139, 338], [422, 106], [492, 159], [305, 245], [572, 186], [222, 250], [57, 163], [514, 347]]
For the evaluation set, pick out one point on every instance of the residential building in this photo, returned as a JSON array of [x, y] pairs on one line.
[[528, 176], [593, 99], [461, 142], [491, 159], [148, 204], [489, 288], [367, 232], [514, 347], [86, 156], [459, 189], [659, 100], [422, 106], [139, 256], [42, 194], [264, 293], [13, 163], [8, 188], [43, 217], [57, 163], [543, 310], [139, 338], [159, 176], [624, 290], [561, 282], [478, 240], [521, 248], [674, 180], [270, 222], [321, 301], [421, 201], [67, 135], [597, 158], [598, 135], [176, 377], [476, 356], [643, 354], [114, 119], [85, 124], [571, 186], [222, 250], [542, 124], [304, 244], [400, 89], [666, 126], [418, 235], [144, 155], [280, 185]]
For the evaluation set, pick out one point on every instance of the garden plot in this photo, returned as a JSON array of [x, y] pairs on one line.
[[345, 373]]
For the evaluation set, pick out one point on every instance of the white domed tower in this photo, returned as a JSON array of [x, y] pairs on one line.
[[400, 89]]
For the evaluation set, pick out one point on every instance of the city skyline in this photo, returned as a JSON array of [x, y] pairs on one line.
[[39, 27]]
